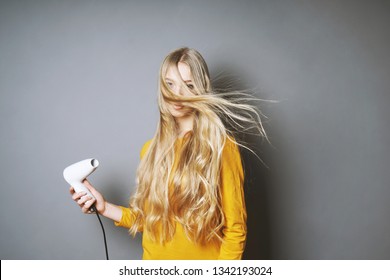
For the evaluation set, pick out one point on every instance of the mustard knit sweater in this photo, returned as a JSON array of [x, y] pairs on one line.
[[234, 230]]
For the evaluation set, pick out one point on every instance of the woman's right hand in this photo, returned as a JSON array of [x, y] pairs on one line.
[[85, 201]]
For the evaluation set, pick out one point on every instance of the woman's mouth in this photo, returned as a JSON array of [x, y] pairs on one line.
[[177, 107]]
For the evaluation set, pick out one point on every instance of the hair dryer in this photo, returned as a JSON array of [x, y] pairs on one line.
[[76, 173]]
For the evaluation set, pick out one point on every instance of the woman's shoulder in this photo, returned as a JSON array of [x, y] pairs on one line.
[[231, 143], [231, 149], [231, 158], [145, 147]]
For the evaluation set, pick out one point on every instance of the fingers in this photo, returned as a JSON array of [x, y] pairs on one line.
[[87, 205], [83, 200], [76, 196]]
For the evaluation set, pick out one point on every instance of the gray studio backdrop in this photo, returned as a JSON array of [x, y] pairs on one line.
[[78, 79]]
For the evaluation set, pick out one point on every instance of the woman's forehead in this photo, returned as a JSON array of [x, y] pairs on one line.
[[181, 72]]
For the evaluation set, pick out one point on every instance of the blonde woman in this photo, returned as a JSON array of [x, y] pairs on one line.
[[189, 202]]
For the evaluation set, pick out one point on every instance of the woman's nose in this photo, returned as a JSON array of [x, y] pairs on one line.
[[179, 90]]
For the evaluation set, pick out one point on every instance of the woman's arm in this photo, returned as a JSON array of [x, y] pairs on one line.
[[122, 216], [233, 204], [104, 208]]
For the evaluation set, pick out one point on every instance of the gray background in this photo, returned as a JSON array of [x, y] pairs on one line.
[[78, 79]]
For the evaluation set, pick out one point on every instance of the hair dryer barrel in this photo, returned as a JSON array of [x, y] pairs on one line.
[[76, 173]]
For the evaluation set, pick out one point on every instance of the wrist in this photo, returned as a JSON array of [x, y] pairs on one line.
[[111, 211], [105, 209]]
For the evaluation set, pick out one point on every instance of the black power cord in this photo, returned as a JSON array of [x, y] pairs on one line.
[[101, 224]]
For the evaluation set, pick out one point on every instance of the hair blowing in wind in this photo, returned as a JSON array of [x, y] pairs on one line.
[[189, 193]]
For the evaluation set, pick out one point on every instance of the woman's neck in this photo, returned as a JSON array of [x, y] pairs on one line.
[[184, 125]]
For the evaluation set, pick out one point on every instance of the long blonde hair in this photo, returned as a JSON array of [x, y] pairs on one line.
[[190, 194]]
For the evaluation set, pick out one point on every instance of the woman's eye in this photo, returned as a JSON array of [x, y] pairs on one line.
[[190, 86], [170, 84]]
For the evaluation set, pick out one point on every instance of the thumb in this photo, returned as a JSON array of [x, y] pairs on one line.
[[89, 186], [93, 191]]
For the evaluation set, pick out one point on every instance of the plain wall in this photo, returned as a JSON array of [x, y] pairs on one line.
[[78, 79]]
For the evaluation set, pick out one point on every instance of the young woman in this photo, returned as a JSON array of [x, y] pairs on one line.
[[189, 202]]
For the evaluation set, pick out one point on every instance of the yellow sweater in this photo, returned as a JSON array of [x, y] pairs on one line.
[[234, 231]]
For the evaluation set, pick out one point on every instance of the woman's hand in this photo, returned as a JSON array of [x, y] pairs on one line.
[[85, 201]]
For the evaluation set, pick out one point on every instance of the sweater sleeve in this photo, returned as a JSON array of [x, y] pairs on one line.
[[233, 204], [128, 218], [128, 215]]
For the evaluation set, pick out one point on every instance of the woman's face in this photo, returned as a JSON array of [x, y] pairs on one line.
[[174, 82]]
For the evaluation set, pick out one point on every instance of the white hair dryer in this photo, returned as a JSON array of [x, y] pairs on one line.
[[76, 173]]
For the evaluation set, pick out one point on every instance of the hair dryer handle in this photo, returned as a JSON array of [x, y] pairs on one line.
[[80, 187]]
